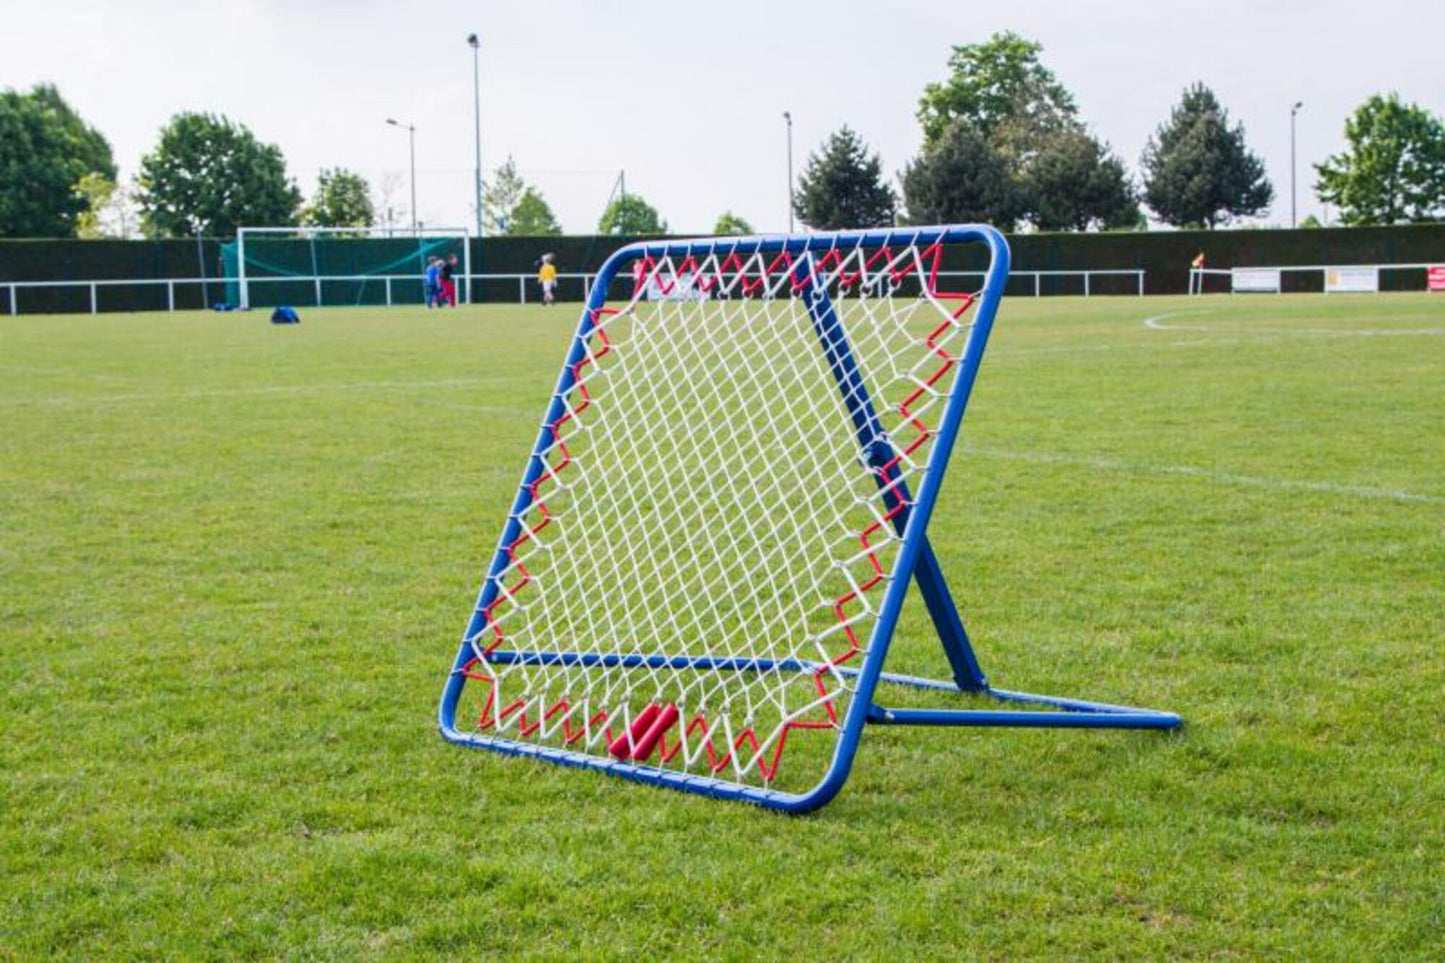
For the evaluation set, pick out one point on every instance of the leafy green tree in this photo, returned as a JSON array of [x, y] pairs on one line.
[[501, 197], [45, 152], [962, 178], [729, 223], [532, 217], [512, 207], [96, 190], [87, 143], [1198, 171], [1000, 96], [108, 211], [1002, 91], [342, 199], [208, 175], [842, 186], [1394, 169], [1076, 183], [1309, 221], [630, 214]]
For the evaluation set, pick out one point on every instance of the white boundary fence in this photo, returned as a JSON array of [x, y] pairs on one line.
[[1137, 275], [12, 289], [1268, 278], [390, 283]]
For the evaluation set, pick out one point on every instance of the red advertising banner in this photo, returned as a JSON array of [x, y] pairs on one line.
[[1435, 278]]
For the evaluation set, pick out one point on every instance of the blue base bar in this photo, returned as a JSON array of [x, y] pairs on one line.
[[1074, 714], [1069, 719], [707, 785]]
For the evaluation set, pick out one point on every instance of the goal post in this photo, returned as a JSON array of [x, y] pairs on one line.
[[702, 571], [331, 266]]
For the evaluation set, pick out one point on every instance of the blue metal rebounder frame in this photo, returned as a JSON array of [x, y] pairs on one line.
[[916, 560]]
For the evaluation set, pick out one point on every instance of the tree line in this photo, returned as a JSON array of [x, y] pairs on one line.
[[206, 175], [1003, 143]]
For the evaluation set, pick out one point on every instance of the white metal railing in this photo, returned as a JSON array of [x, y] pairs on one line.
[[470, 282], [1036, 276], [13, 288], [1136, 273]]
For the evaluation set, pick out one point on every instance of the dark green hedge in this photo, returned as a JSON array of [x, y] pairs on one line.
[[1163, 255], [70, 260]]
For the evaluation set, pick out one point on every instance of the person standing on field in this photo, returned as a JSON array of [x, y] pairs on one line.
[[449, 286], [547, 277], [432, 285]]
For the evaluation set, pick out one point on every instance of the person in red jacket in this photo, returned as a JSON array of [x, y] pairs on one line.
[[449, 286]]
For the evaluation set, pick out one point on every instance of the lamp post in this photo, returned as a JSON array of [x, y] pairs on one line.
[[411, 137], [788, 116], [1293, 210], [476, 44]]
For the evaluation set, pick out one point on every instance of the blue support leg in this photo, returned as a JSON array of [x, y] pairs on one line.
[[874, 443], [944, 612], [1133, 719], [968, 675]]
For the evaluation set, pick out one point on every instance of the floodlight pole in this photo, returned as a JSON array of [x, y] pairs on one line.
[[476, 44], [788, 116], [1293, 210], [411, 137]]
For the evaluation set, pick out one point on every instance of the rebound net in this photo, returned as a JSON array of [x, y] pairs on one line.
[[701, 554]]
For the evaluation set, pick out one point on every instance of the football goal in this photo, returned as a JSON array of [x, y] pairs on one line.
[[346, 266], [700, 577]]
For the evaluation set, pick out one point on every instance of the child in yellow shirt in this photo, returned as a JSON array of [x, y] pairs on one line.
[[547, 277]]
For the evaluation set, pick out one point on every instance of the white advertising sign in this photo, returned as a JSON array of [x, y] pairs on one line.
[[1254, 280], [681, 287], [1352, 279]]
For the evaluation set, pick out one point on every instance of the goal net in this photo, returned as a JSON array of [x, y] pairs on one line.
[[708, 547], [317, 266]]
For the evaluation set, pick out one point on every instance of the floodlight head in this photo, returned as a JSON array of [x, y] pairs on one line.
[[392, 122], [1297, 105], [472, 41], [788, 116]]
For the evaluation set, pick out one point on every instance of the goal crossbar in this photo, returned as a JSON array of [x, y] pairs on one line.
[[575, 700]]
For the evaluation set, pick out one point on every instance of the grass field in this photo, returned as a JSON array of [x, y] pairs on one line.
[[236, 559]]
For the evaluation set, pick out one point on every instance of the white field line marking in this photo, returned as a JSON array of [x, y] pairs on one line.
[[63, 373], [1356, 333], [255, 390], [1156, 323], [1013, 354], [478, 409], [1209, 475]]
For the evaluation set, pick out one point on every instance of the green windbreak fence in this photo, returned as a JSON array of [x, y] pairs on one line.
[[40, 276], [49, 276], [335, 271]]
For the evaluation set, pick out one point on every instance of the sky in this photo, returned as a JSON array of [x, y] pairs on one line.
[[688, 98]]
